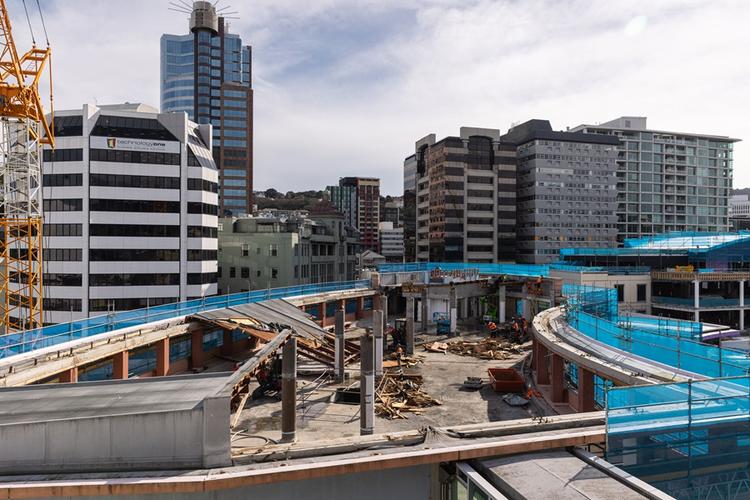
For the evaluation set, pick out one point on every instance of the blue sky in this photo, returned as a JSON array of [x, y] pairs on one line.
[[346, 87]]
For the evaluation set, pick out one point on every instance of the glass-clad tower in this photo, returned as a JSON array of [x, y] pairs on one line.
[[207, 74]]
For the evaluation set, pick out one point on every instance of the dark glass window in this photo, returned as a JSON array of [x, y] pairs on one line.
[[202, 232], [146, 279], [203, 185], [62, 229], [131, 128], [62, 304], [62, 254], [641, 293], [134, 181], [63, 205], [62, 180], [132, 255], [620, 292], [202, 255], [50, 155], [146, 231], [128, 304], [201, 278], [103, 205], [55, 279], [202, 208], [113, 155], [68, 126]]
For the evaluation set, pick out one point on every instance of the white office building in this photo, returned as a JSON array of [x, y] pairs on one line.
[[391, 242], [130, 211]]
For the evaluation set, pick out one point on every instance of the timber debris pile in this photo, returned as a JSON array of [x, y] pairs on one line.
[[399, 394], [489, 348]]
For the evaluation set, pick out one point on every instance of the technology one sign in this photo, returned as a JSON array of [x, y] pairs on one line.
[[146, 145]]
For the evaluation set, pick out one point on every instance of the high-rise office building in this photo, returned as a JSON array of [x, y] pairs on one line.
[[465, 197], [358, 198], [207, 74], [566, 190], [410, 207], [668, 181], [130, 211]]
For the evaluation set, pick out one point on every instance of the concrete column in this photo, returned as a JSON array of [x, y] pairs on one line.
[[410, 325], [558, 379], [501, 304], [366, 386], [585, 390], [360, 307], [453, 309], [120, 365], [323, 313], [542, 364], [384, 308], [377, 333], [69, 376], [340, 353], [289, 391], [196, 349], [425, 309], [162, 357], [376, 302], [227, 345]]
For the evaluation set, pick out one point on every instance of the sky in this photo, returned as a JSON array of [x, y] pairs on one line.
[[346, 87]]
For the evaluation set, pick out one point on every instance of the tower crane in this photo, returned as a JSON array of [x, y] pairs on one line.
[[23, 130]]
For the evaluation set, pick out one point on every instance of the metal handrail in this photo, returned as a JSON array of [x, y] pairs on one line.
[[18, 343]]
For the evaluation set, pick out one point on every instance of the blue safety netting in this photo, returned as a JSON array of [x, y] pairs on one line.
[[683, 437], [593, 312], [17, 343], [525, 270]]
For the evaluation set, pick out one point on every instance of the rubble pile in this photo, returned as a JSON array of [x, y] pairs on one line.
[[488, 348], [400, 393]]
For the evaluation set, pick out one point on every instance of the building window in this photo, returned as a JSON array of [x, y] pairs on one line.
[[641, 293], [232, 272], [620, 292], [274, 250], [245, 272], [245, 250], [274, 273]]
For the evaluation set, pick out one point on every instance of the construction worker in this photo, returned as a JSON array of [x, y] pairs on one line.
[[492, 329]]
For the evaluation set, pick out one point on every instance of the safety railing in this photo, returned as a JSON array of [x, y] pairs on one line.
[[524, 270], [683, 437], [17, 343]]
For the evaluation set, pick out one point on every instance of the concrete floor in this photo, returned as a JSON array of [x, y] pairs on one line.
[[319, 419]]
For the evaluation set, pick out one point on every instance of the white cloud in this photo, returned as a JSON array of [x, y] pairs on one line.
[[345, 87]]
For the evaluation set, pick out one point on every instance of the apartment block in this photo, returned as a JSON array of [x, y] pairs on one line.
[[358, 198], [465, 197], [668, 181], [566, 190]]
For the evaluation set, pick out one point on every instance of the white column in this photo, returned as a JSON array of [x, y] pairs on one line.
[[742, 304], [697, 300], [696, 294], [501, 305]]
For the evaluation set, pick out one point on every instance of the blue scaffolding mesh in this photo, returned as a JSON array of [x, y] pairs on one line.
[[691, 439], [525, 270], [17, 343]]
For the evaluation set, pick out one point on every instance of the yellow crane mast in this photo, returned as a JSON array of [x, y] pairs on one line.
[[23, 130]]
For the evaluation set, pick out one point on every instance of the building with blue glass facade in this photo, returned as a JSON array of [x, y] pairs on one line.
[[207, 74]]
